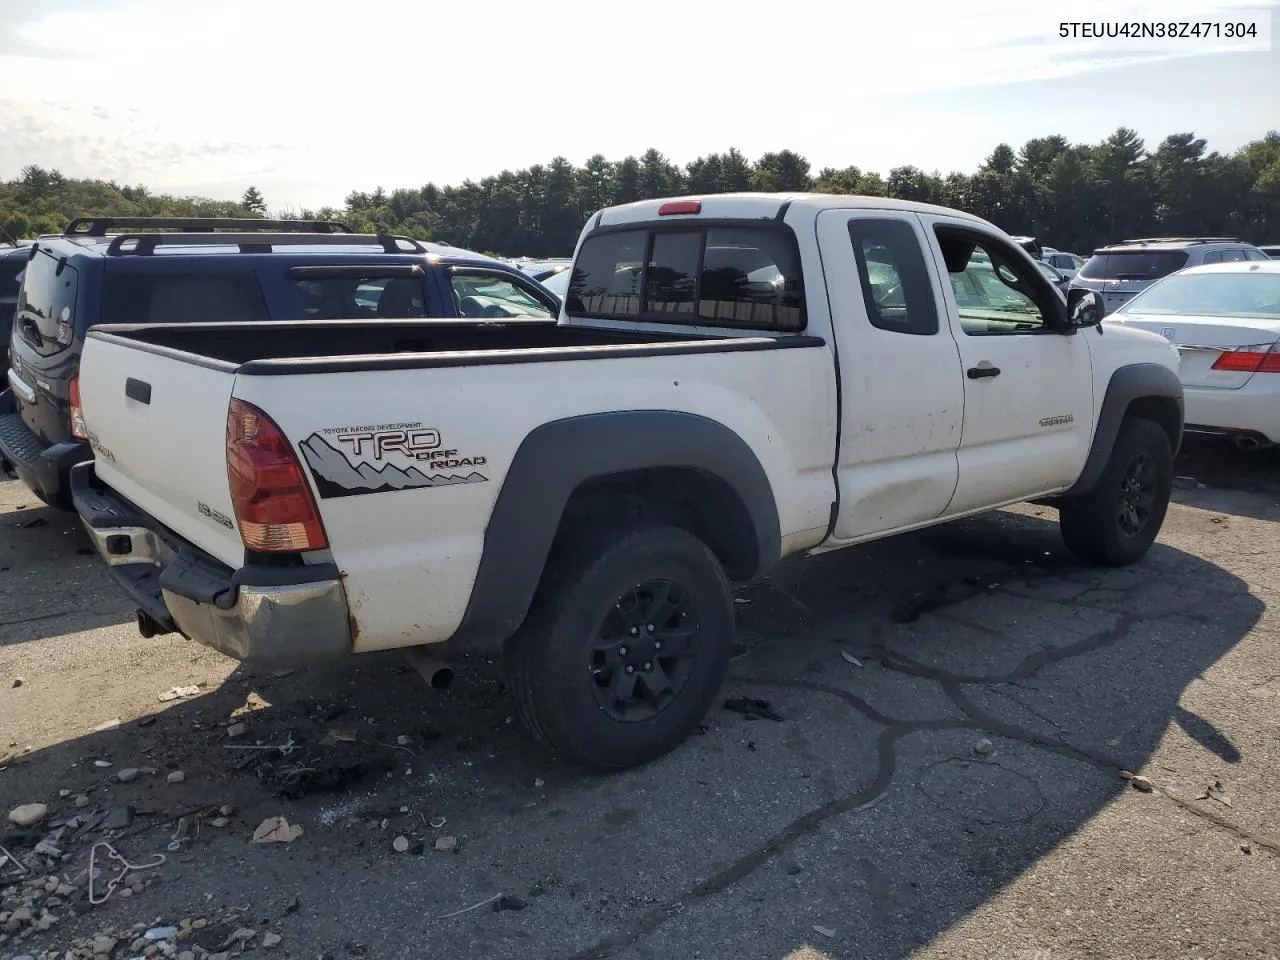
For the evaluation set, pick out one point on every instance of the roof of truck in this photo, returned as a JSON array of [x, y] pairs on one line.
[[750, 205]]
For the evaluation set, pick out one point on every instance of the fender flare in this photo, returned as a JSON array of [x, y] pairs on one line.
[[554, 459], [1132, 382]]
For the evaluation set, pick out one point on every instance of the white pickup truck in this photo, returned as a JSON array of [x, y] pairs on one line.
[[732, 379]]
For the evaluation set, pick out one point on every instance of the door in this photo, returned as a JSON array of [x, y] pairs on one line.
[[901, 393], [1028, 382]]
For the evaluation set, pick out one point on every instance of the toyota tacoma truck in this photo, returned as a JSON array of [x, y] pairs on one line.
[[731, 380]]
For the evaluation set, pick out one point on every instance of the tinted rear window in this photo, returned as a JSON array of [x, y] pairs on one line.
[[1134, 265], [46, 299], [720, 276], [181, 298], [342, 298]]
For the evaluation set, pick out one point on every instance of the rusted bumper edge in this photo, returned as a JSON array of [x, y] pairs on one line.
[[262, 614]]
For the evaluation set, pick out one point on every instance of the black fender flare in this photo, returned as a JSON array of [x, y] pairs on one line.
[[557, 457], [1132, 382]]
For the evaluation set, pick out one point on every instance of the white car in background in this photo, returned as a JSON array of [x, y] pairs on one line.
[[1224, 318]]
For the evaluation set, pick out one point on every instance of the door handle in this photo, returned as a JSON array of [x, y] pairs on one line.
[[978, 372], [138, 390]]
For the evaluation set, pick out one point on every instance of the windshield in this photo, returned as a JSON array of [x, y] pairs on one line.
[[1134, 264], [1253, 295]]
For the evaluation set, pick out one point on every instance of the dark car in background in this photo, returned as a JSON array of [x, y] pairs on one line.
[[1122, 270], [158, 270]]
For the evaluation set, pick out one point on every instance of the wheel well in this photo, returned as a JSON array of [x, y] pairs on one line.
[[691, 499], [1164, 412]]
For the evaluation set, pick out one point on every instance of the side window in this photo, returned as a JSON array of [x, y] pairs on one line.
[[1231, 256], [489, 296], [894, 278], [182, 298], [353, 297], [1213, 256], [995, 293], [1254, 255]]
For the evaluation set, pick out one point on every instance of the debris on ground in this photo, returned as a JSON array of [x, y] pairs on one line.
[[1217, 792], [508, 903], [276, 830], [112, 724], [119, 817], [1246, 847], [984, 747], [400, 844], [17, 682], [271, 940], [825, 931], [28, 814], [238, 729], [177, 776], [127, 774], [295, 782], [446, 844], [1140, 783], [179, 693], [437, 822], [752, 708], [850, 658]]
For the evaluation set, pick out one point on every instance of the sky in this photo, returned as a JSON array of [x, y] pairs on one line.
[[311, 99]]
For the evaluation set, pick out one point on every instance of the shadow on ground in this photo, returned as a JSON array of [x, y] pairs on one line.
[[954, 704]]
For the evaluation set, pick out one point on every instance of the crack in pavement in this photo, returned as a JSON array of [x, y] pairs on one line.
[[894, 730]]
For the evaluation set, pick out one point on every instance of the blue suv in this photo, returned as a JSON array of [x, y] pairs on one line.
[[165, 270]]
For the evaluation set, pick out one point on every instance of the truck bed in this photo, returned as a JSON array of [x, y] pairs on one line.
[[268, 347]]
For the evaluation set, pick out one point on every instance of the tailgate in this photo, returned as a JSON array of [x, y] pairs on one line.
[[1201, 342], [157, 421]]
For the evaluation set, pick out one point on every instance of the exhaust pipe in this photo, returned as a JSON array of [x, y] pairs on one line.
[[437, 673], [1246, 442], [149, 626]]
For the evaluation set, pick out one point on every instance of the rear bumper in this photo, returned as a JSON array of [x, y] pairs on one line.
[[1252, 409], [262, 614], [45, 470]]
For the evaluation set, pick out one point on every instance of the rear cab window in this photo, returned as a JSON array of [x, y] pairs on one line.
[[1134, 264], [46, 315], [712, 275]]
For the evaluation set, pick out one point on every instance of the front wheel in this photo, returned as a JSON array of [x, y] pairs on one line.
[[1116, 522], [625, 649]]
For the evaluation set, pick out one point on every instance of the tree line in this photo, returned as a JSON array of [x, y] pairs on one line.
[[1070, 196]]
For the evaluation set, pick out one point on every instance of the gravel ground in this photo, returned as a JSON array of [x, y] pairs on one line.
[[959, 712]]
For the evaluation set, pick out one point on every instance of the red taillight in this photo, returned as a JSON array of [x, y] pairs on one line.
[[78, 429], [272, 501], [674, 207], [1262, 358]]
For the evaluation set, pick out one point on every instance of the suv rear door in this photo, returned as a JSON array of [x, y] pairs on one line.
[[1119, 274], [44, 327]]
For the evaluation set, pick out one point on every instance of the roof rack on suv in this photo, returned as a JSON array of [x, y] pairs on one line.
[[99, 226], [146, 243], [1180, 240]]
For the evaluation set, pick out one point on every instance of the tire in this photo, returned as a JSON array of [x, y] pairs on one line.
[[566, 666], [1103, 526]]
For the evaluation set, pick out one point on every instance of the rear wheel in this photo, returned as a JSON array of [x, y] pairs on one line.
[[1116, 522], [625, 649]]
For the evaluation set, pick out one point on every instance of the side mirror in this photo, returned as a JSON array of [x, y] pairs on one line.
[[1085, 308]]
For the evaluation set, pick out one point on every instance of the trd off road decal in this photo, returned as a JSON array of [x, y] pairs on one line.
[[347, 461]]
